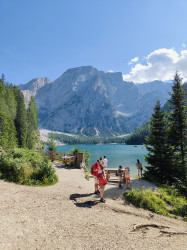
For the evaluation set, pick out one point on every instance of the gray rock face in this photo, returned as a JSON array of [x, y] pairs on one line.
[[31, 88], [85, 100]]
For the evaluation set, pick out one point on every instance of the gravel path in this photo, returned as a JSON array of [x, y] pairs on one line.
[[69, 216]]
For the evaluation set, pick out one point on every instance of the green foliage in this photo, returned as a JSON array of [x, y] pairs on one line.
[[32, 116], [51, 143], [167, 143], [77, 139], [177, 129], [87, 155], [18, 126], [147, 200], [89, 131], [7, 131], [159, 154], [139, 136], [166, 201], [173, 197], [25, 167], [21, 119]]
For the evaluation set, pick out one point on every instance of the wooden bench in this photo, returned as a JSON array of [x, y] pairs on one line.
[[113, 171]]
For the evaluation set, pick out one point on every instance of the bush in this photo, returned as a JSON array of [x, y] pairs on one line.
[[166, 201], [173, 197], [26, 167], [148, 200]]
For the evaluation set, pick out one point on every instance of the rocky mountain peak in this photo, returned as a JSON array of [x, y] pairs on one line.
[[31, 88], [88, 101]]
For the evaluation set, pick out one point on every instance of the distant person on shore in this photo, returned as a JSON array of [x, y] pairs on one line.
[[119, 174], [101, 160], [94, 171], [127, 177], [139, 168], [105, 163], [102, 182]]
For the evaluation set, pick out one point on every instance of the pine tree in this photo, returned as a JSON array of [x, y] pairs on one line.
[[7, 131], [32, 116], [21, 119], [51, 143], [177, 122], [3, 78], [159, 155]]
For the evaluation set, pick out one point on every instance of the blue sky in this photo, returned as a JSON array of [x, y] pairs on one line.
[[46, 37]]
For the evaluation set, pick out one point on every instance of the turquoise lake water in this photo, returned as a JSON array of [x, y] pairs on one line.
[[117, 154]]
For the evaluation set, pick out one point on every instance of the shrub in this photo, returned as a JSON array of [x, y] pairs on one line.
[[26, 167], [148, 200], [166, 201]]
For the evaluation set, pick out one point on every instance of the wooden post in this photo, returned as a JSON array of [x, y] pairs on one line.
[[80, 159], [52, 156], [107, 175]]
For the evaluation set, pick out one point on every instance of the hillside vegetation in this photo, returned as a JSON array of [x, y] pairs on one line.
[[18, 124]]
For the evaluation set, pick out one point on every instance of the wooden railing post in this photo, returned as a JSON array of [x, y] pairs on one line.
[[80, 159], [52, 156]]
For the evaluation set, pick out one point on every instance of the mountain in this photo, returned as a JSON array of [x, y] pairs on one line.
[[31, 88], [90, 102]]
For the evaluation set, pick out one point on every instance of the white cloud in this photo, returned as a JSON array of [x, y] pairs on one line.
[[111, 71], [184, 45], [134, 60], [161, 65]]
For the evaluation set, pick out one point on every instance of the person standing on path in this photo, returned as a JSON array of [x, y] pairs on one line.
[[94, 171], [102, 183], [119, 175], [127, 177], [139, 168], [105, 163]]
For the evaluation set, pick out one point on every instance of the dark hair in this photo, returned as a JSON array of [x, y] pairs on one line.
[[138, 161], [100, 158], [104, 156]]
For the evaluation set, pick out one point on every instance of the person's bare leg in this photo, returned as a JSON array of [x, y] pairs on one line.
[[101, 192], [96, 187]]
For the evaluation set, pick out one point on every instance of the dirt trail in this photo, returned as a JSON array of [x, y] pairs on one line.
[[69, 216]]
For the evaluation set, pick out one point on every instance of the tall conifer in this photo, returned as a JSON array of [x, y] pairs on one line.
[[21, 119], [32, 116], [159, 155], [177, 122]]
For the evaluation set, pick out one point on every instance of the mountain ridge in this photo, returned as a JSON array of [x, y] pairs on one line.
[[88, 101]]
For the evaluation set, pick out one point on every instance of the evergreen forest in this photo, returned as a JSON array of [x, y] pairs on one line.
[[18, 123]]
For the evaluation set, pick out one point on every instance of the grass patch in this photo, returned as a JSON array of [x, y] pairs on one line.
[[173, 197], [148, 200], [87, 173], [166, 201]]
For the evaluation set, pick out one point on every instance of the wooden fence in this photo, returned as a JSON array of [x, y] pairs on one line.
[[66, 159]]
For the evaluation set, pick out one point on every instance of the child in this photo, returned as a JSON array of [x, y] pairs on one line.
[[119, 174], [127, 177]]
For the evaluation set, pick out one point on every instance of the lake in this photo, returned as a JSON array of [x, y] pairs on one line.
[[117, 154]]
